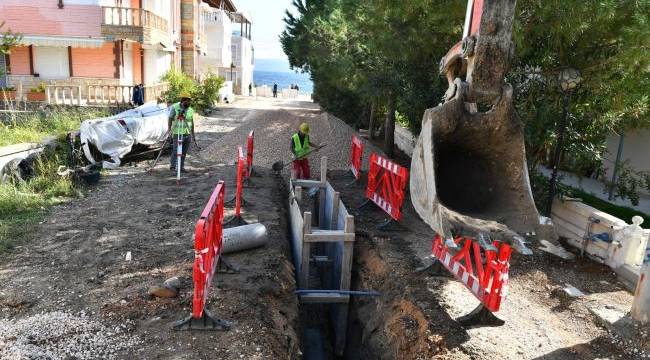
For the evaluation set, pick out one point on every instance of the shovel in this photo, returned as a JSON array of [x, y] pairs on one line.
[[279, 165]]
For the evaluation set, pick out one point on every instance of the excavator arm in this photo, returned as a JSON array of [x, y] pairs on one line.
[[468, 171]]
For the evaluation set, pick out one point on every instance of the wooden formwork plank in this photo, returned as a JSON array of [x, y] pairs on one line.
[[297, 226], [306, 251], [335, 211], [309, 183], [329, 236]]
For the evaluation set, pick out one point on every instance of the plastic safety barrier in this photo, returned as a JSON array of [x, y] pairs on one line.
[[239, 199], [207, 247], [356, 153], [208, 237], [387, 185], [250, 147], [484, 271]]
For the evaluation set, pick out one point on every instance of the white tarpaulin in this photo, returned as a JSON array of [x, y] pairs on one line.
[[116, 135]]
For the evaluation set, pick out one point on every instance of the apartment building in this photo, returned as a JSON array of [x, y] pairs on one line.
[[99, 45], [240, 70]]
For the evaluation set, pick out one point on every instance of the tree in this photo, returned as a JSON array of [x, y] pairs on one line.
[[8, 39]]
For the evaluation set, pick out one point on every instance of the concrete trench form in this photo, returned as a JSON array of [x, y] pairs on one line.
[[322, 242]]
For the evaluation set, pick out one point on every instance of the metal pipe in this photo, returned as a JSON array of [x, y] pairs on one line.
[[619, 154], [244, 237], [343, 292]]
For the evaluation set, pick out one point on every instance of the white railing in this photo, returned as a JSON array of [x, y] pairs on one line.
[[63, 94], [109, 94], [122, 16], [154, 92]]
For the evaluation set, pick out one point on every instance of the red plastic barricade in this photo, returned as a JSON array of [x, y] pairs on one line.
[[250, 147], [484, 274], [387, 185], [207, 248], [356, 153], [240, 179], [208, 236], [238, 199]]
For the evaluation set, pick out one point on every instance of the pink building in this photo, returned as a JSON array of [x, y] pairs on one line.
[[101, 48]]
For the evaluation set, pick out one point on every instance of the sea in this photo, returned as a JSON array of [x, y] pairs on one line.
[[284, 80]]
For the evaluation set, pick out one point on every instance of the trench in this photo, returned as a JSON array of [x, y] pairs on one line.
[[365, 314]]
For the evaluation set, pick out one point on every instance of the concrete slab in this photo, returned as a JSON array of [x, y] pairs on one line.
[[615, 320]]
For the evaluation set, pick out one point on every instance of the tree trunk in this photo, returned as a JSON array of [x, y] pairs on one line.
[[371, 122], [389, 128]]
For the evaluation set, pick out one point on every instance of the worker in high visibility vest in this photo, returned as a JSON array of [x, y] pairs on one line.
[[300, 146], [181, 122]]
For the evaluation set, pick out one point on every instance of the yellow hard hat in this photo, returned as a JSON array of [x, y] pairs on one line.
[[304, 128], [185, 95]]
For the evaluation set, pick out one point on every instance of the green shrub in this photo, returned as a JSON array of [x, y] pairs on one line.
[[207, 93], [178, 82], [204, 94]]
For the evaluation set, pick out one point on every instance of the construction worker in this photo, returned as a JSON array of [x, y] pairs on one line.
[[300, 146], [181, 122]]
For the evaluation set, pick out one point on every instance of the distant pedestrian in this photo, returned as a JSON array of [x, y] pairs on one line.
[[275, 90], [250, 89], [296, 87]]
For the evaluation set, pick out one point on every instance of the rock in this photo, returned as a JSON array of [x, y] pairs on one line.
[[173, 283], [162, 292]]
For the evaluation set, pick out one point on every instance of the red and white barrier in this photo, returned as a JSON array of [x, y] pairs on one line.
[[208, 236], [387, 185], [356, 154], [484, 272]]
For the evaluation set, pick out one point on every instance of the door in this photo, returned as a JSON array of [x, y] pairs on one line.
[[51, 62]]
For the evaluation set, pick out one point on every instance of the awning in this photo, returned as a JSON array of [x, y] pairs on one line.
[[62, 41]]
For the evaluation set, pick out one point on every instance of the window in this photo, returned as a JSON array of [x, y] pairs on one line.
[[51, 62]]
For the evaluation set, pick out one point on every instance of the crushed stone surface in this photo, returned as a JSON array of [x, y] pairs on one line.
[[61, 335]]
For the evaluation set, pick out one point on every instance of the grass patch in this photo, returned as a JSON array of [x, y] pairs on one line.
[[621, 212], [25, 204], [34, 127]]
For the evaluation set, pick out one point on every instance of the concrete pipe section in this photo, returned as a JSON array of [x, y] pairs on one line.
[[244, 237]]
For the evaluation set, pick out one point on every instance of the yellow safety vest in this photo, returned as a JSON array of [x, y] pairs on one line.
[[182, 127], [300, 149]]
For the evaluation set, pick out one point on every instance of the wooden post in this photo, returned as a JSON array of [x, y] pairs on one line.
[[334, 217], [348, 248], [298, 193], [303, 283], [323, 169]]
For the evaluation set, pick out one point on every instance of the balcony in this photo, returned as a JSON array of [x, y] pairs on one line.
[[134, 24]]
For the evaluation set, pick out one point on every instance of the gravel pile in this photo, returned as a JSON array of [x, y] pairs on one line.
[[60, 335], [273, 130]]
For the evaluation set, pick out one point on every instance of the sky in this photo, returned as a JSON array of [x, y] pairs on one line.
[[267, 18]]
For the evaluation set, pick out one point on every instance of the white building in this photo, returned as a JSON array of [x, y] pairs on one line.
[[239, 71]]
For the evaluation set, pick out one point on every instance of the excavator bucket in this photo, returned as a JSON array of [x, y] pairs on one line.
[[468, 171]]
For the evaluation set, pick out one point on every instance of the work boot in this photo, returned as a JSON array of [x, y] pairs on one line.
[[183, 170]]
